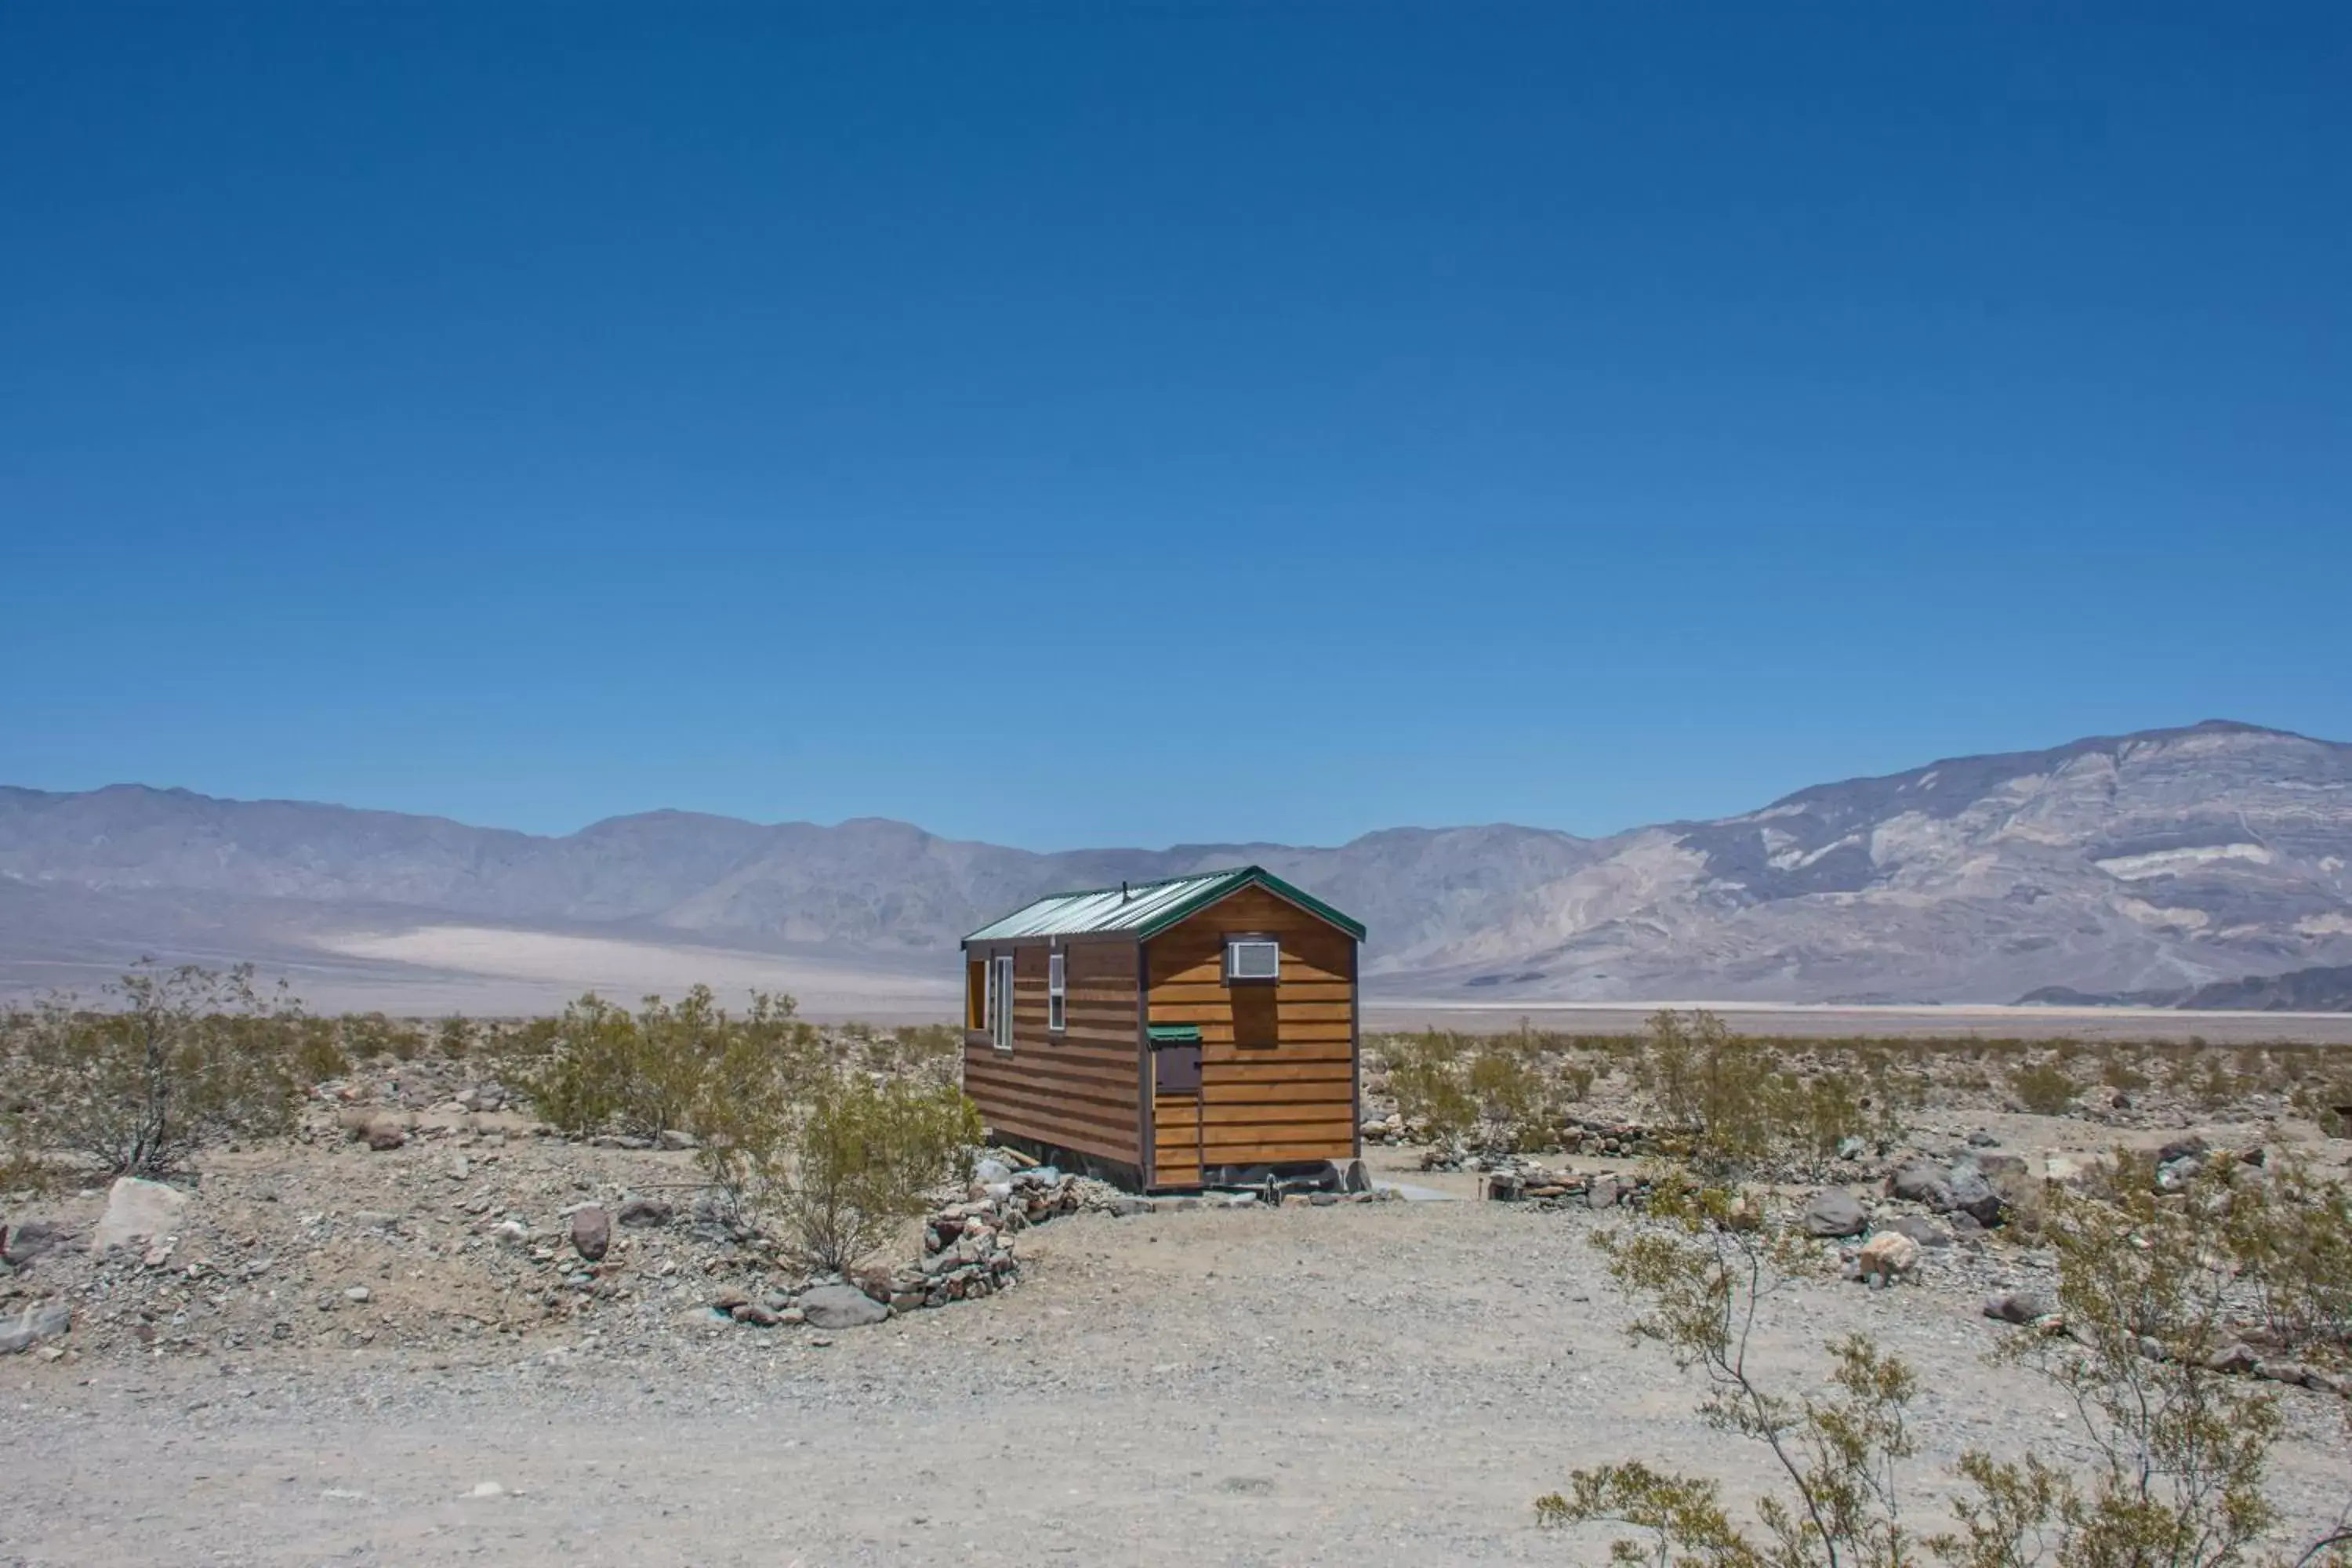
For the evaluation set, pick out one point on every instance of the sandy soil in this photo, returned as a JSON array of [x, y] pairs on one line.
[[1382, 1384]]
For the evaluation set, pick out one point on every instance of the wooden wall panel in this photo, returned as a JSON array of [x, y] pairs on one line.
[[1077, 1089], [1277, 1072]]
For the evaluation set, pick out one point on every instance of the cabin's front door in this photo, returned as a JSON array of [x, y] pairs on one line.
[[1176, 1118]]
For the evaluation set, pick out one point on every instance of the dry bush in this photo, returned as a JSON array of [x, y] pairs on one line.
[[2181, 1449], [2044, 1087], [371, 1036], [1745, 1112], [859, 1160], [2289, 1232], [1426, 1078], [169, 1062], [664, 1067]]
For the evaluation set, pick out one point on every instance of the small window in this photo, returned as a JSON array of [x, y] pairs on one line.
[[1000, 1003], [1253, 958], [1057, 997]]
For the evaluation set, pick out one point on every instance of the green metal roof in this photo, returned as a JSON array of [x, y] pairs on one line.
[[1173, 1033], [1146, 908]]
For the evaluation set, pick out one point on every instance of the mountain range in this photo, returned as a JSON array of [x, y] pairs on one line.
[[2144, 865]]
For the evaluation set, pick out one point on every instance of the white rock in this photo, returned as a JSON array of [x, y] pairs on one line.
[[139, 1211]]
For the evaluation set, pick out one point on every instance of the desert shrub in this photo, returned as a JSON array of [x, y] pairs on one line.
[[1743, 1111], [2118, 1072], [454, 1040], [170, 1062], [1425, 1077], [2180, 1450], [2289, 1232], [930, 1051], [368, 1037], [1700, 1276], [859, 1159], [666, 1066], [2044, 1087], [315, 1051]]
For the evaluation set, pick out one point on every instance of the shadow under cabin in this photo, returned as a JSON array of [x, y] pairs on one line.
[[1200, 1031]]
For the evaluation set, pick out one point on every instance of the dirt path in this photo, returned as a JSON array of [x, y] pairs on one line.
[[1390, 1384]]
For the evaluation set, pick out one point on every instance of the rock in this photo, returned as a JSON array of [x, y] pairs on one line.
[[1973, 1196], [2236, 1357], [2015, 1307], [756, 1315], [987, 1171], [1921, 1182], [841, 1307], [1126, 1207], [139, 1211], [1919, 1229], [2292, 1372], [728, 1299], [591, 1233], [1852, 1148], [640, 1213], [1350, 1177], [1601, 1194], [1835, 1211], [1889, 1255], [2190, 1147], [34, 1325], [359, 1295], [1999, 1168], [31, 1240], [384, 1135], [673, 1140], [1981, 1139]]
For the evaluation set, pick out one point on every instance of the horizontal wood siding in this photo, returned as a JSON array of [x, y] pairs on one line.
[[1176, 1139], [1278, 1063], [1077, 1089]]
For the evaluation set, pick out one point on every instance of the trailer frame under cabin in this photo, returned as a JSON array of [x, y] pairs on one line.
[[1199, 1031]]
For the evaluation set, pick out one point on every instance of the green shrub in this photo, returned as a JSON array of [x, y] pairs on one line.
[[860, 1159], [666, 1066], [2043, 1088], [171, 1062]]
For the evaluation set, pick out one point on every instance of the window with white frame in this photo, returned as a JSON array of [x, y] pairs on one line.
[[1057, 993], [1253, 958], [1000, 1003]]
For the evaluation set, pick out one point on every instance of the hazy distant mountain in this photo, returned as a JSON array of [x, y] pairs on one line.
[[2150, 863]]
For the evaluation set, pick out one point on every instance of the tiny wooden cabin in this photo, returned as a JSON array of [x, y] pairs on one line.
[[1171, 1034]]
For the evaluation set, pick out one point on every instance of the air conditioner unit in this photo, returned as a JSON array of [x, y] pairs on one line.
[[1253, 958]]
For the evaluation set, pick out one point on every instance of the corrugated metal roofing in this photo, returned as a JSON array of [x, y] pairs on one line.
[[1143, 909]]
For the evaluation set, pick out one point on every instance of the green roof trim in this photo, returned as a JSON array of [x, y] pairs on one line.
[[1144, 909], [1174, 1033]]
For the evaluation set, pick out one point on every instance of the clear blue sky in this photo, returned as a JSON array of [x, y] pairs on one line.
[[1137, 422]]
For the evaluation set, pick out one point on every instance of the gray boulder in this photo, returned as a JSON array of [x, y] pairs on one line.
[[139, 1211], [640, 1212], [32, 1240], [2016, 1307], [1919, 1229], [1601, 1194], [591, 1233], [1921, 1182], [1973, 1196], [1835, 1211], [841, 1307], [33, 1325]]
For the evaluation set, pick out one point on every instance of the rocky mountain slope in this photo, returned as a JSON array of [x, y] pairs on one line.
[[2160, 861]]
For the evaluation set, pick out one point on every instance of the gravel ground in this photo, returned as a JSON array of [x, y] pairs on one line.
[[1390, 1383]]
